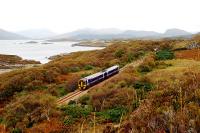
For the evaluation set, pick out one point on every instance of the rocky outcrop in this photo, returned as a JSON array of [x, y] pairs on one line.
[[193, 45]]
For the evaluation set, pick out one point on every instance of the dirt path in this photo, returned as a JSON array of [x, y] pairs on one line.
[[77, 94]]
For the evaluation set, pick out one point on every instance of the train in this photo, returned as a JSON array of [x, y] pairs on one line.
[[94, 79]]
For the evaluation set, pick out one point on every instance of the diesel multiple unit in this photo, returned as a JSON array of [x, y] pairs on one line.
[[93, 79]]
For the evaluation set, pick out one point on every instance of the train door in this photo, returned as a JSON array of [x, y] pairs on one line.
[[105, 75]]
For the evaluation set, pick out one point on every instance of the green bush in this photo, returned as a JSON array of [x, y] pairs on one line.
[[113, 114], [74, 69], [76, 111], [71, 102], [143, 85], [119, 53], [148, 64], [88, 67], [84, 100], [130, 57], [145, 68], [16, 130], [62, 91], [1, 119], [85, 75], [69, 121], [136, 104], [176, 105], [164, 55]]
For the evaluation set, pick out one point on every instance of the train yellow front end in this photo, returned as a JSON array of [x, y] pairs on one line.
[[82, 84]]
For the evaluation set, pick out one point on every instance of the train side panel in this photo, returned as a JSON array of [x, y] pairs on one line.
[[97, 77]]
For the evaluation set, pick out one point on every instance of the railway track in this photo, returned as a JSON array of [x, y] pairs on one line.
[[68, 97]]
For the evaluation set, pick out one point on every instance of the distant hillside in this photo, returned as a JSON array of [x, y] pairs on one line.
[[107, 34], [5, 35], [175, 32], [37, 33], [197, 36]]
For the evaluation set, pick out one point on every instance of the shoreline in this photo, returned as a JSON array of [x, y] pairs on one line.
[[25, 66], [13, 62], [92, 43]]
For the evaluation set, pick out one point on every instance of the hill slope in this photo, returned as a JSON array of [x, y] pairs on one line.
[[175, 32], [109, 34], [5, 35]]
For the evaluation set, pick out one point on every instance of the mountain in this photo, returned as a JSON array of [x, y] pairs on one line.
[[139, 34], [37, 33], [89, 34], [5, 35], [176, 32]]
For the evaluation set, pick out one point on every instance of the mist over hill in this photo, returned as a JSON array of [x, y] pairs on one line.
[[175, 32], [88, 34], [37, 33], [6, 35], [92, 34]]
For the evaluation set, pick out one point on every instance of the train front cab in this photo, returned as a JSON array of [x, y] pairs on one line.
[[82, 84]]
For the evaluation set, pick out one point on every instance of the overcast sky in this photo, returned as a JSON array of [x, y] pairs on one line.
[[67, 15]]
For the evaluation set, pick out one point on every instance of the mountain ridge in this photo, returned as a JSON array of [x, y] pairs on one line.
[[6, 35], [92, 34], [88, 34]]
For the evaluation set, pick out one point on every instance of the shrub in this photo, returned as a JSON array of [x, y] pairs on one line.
[[119, 53], [74, 69], [130, 57], [76, 111], [71, 102], [16, 130], [148, 64], [29, 109], [145, 68], [71, 84], [1, 119], [113, 114], [164, 55], [61, 91], [50, 76], [143, 85], [112, 98], [15, 84], [85, 75], [88, 67], [136, 104], [122, 84], [69, 121], [84, 100]]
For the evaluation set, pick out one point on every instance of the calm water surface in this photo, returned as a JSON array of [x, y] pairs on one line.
[[39, 51]]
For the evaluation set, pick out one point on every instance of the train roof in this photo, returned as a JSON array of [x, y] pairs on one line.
[[99, 73], [111, 68], [93, 75]]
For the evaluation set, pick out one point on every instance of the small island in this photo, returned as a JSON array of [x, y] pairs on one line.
[[93, 43], [31, 42]]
